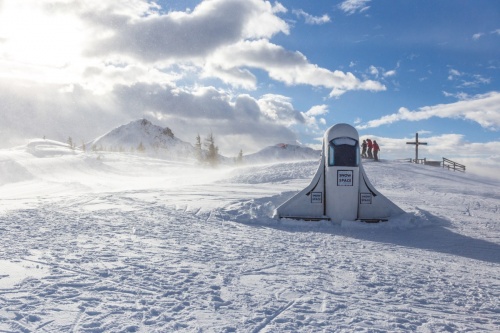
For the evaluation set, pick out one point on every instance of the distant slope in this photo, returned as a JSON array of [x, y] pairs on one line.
[[282, 152], [141, 135]]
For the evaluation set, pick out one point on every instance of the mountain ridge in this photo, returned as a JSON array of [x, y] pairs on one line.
[[143, 135]]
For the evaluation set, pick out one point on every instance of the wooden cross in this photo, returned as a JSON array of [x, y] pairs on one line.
[[416, 143]]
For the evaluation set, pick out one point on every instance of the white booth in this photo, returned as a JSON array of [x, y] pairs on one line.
[[340, 190]]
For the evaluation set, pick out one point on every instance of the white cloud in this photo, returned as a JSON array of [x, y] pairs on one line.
[[460, 95], [353, 6], [453, 73], [280, 109], [483, 109], [312, 116], [234, 76], [56, 111], [465, 80], [78, 68], [477, 36], [390, 73], [373, 71], [119, 41], [39, 47], [193, 35], [289, 67], [481, 79], [379, 71], [317, 110], [310, 19]]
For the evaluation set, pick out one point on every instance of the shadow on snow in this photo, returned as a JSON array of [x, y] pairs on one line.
[[420, 230]]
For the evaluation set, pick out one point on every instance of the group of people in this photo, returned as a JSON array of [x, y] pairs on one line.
[[370, 149]]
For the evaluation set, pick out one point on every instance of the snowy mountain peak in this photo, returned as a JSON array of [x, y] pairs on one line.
[[143, 136]]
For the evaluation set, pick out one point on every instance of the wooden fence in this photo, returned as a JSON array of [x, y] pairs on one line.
[[453, 165], [417, 161], [424, 161]]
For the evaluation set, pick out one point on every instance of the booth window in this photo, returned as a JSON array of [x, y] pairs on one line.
[[343, 152]]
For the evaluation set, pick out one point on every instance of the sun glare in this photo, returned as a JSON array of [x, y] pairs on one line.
[[37, 40]]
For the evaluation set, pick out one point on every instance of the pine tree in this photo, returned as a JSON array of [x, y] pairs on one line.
[[70, 143], [197, 149], [239, 158], [141, 148], [212, 150]]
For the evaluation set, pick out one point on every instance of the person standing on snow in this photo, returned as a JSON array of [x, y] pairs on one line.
[[363, 152], [370, 147], [376, 149]]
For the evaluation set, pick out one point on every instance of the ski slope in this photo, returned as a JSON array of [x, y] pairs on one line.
[[114, 242]]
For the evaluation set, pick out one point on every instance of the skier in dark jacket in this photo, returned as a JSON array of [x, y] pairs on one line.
[[363, 152], [376, 149]]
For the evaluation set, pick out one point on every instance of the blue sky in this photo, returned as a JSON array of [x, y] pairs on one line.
[[256, 73]]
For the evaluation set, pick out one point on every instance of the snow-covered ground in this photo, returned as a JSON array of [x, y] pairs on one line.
[[113, 242]]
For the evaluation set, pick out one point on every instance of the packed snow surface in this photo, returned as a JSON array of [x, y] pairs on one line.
[[114, 242]]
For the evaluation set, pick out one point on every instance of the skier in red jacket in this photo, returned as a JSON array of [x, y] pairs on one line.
[[370, 146]]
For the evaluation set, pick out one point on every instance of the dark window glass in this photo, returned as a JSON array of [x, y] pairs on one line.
[[343, 152]]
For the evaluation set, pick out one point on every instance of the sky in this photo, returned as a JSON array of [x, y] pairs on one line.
[[256, 73]]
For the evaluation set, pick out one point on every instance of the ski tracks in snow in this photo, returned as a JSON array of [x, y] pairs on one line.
[[211, 259]]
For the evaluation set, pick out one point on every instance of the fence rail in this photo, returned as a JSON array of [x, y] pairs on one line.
[[425, 161], [453, 165]]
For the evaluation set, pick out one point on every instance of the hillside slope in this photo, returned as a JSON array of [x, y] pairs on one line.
[[282, 152], [136, 244]]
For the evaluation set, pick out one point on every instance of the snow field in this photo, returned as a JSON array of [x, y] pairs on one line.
[[130, 244]]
